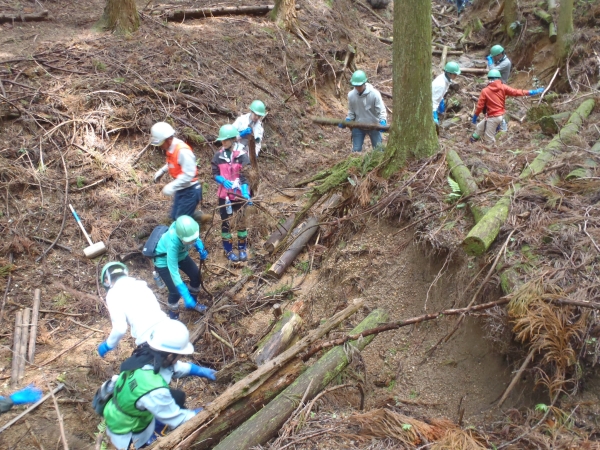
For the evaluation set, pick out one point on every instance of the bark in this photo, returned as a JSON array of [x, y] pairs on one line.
[[565, 30], [120, 16], [36, 17], [265, 424], [300, 235], [543, 16], [468, 185], [34, 322], [279, 234], [179, 15], [510, 16], [185, 435], [285, 12], [412, 132], [335, 122], [14, 372], [552, 34], [279, 338]]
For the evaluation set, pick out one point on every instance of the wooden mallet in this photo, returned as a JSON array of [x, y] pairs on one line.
[[93, 250]]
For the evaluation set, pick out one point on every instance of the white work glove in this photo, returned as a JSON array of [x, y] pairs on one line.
[[168, 190], [159, 173]]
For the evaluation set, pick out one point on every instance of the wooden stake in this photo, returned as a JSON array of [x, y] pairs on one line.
[[34, 323], [61, 424], [24, 339], [14, 373]]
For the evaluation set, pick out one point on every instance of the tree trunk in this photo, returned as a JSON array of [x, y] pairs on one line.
[[412, 133], [565, 30], [285, 13], [465, 180], [264, 424], [120, 16], [510, 16]]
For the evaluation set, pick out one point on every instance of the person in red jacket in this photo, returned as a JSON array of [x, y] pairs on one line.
[[492, 100]]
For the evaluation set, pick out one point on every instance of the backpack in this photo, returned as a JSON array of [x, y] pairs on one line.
[[149, 249]]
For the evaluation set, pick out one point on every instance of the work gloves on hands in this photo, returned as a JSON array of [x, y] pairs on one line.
[[224, 182], [204, 372], [201, 250], [103, 349], [246, 193], [435, 117], [245, 132], [188, 300], [474, 120], [490, 60], [159, 173], [30, 394], [442, 107], [536, 91], [341, 125]]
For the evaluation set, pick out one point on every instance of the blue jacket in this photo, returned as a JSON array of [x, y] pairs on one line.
[[172, 251]]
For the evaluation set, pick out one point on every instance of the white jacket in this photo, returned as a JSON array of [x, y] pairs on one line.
[[243, 122], [131, 302], [367, 107], [439, 87]]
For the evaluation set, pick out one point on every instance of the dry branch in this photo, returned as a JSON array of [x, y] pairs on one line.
[[34, 322], [24, 340], [14, 373], [516, 378], [34, 17], [331, 121], [32, 407]]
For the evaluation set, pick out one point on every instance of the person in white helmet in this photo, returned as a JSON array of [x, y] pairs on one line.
[[138, 402], [130, 302], [181, 165], [251, 123]]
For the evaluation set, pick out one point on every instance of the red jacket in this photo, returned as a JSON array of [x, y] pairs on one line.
[[493, 98]]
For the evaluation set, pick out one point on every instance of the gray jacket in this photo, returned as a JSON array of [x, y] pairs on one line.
[[504, 66], [367, 107]]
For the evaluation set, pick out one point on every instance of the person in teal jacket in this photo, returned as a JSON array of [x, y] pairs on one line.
[[172, 255]]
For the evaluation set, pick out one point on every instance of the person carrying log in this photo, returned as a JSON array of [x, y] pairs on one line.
[[228, 171], [172, 255], [181, 165], [493, 99], [29, 394], [251, 123], [130, 302], [138, 404], [365, 105], [440, 87]]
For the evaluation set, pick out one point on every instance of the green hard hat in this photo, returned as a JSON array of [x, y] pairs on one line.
[[358, 78], [452, 67], [258, 108], [228, 132], [187, 229], [496, 50], [110, 269], [494, 73]]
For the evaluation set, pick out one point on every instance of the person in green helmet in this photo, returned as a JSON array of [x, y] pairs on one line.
[[228, 171], [172, 255], [498, 60], [365, 105], [251, 123], [492, 100], [440, 86]]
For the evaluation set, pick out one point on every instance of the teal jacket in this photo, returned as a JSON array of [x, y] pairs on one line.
[[171, 251]]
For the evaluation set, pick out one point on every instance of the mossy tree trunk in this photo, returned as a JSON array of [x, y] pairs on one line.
[[510, 16], [412, 132], [120, 16], [285, 13], [565, 30]]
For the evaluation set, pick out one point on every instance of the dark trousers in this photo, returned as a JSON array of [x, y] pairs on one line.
[[185, 201], [187, 266], [225, 227]]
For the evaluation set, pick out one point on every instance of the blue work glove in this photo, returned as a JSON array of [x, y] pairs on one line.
[[474, 120], [246, 193], [188, 300], [204, 372], [245, 132], [442, 107], [435, 118], [103, 349], [490, 60], [341, 125], [536, 91], [224, 182], [30, 394], [201, 250], [197, 410]]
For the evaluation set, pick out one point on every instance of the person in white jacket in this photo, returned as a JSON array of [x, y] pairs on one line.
[[251, 123], [130, 302], [365, 105], [440, 86]]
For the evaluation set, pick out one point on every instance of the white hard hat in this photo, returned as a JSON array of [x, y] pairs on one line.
[[171, 336], [160, 131]]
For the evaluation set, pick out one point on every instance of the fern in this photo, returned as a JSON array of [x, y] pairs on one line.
[[456, 192]]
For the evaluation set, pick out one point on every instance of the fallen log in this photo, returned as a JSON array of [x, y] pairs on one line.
[[551, 5], [300, 235], [331, 121], [279, 338], [15, 17], [552, 33], [179, 15], [543, 16], [34, 323], [474, 70], [550, 124], [279, 233], [486, 230], [264, 424], [14, 372], [185, 435], [468, 185]]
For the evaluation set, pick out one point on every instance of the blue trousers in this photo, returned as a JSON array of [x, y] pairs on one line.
[[358, 138], [185, 201]]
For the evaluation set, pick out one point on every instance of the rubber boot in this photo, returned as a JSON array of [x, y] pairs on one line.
[[242, 249], [473, 138], [199, 307], [228, 247], [202, 218], [173, 309]]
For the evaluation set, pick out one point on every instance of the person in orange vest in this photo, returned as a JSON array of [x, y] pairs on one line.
[[181, 165]]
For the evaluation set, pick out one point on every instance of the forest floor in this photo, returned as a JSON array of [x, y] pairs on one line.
[[87, 100]]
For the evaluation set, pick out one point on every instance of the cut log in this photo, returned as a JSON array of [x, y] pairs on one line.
[[468, 185], [179, 15], [185, 435], [443, 57], [243, 409], [279, 233], [552, 32], [543, 16], [331, 121], [474, 70], [485, 232], [279, 338], [24, 341], [550, 124], [14, 372], [300, 235], [265, 424], [551, 5], [34, 323], [34, 17]]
